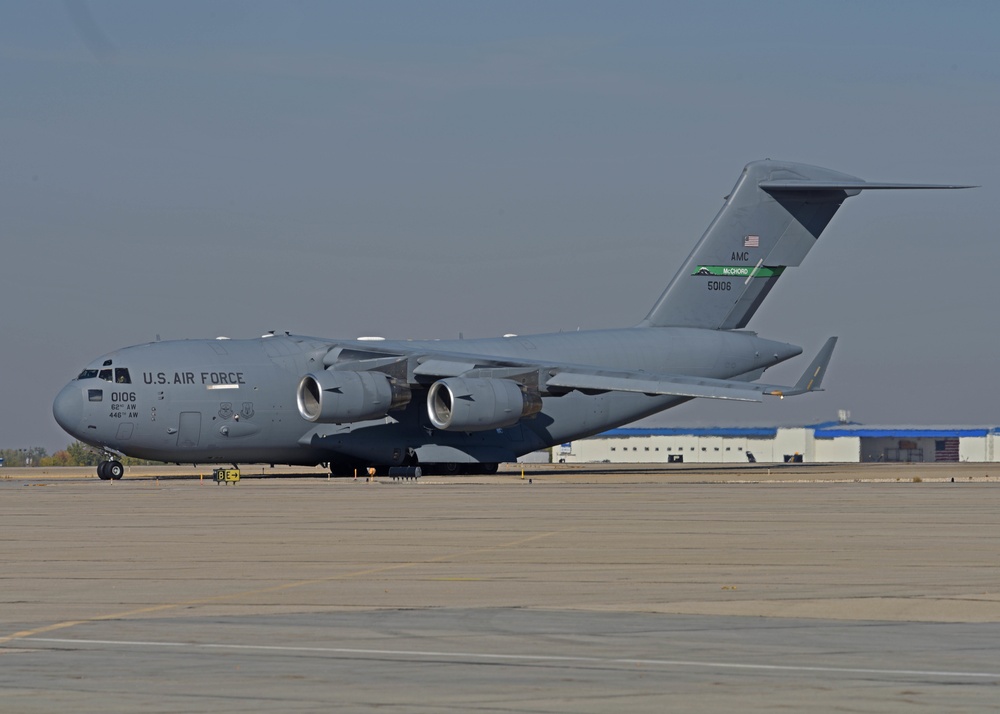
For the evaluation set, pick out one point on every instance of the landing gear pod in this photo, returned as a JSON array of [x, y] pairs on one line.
[[338, 397], [457, 404]]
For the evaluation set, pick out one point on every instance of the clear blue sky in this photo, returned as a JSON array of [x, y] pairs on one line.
[[193, 169]]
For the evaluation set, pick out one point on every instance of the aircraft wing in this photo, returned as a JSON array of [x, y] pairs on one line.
[[560, 376]]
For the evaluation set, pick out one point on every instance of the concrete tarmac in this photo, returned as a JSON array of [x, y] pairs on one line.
[[572, 590]]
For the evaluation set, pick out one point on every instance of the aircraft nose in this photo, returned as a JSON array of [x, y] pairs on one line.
[[68, 408]]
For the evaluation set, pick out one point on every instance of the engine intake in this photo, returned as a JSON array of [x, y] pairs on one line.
[[459, 404], [338, 397]]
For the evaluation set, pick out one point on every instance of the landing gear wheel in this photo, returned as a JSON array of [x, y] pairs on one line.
[[451, 468], [102, 471], [489, 468], [115, 470]]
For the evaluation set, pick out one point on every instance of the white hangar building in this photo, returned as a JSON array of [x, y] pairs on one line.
[[831, 442]]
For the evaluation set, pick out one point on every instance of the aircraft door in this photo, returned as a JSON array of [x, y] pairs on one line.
[[189, 430]]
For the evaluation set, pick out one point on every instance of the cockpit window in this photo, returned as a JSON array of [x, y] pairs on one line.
[[119, 375], [95, 395]]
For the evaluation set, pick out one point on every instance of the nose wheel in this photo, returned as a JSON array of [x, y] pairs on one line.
[[110, 470]]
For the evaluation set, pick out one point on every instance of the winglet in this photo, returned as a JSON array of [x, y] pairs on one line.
[[813, 376]]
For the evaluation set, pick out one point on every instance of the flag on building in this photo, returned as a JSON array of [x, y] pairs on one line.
[[946, 449]]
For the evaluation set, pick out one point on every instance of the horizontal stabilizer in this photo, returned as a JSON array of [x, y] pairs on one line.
[[803, 185], [769, 222]]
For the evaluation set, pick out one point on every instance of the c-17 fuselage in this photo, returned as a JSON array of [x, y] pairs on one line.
[[469, 404], [207, 401]]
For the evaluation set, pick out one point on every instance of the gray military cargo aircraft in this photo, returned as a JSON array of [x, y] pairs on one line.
[[457, 406]]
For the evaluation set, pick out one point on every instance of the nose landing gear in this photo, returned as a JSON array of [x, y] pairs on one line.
[[110, 470]]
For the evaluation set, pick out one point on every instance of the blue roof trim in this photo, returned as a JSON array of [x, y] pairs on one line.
[[900, 433], [828, 424], [708, 431], [827, 430]]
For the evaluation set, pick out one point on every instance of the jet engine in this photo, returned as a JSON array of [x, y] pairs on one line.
[[338, 397], [458, 404]]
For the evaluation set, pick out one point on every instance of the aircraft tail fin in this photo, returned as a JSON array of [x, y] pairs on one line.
[[769, 221]]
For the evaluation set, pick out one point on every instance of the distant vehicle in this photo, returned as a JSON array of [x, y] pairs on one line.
[[467, 405]]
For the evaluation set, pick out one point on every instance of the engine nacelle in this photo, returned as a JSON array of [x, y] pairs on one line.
[[338, 397], [458, 404]]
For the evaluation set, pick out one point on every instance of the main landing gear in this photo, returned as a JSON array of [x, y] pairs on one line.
[[110, 470]]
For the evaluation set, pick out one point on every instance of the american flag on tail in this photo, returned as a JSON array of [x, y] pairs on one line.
[[751, 242]]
